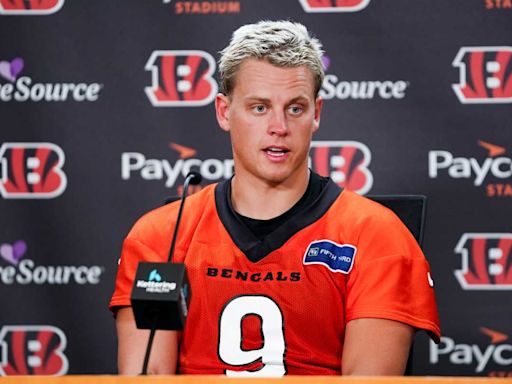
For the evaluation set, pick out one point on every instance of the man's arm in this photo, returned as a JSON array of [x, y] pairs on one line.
[[132, 347], [376, 347]]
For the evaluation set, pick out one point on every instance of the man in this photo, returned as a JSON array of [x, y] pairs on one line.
[[288, 272]]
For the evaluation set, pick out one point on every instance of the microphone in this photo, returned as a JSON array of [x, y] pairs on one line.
[[161, 292], [196, 178]]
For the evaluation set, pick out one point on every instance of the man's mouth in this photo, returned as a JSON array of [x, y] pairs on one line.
[[276, 151]]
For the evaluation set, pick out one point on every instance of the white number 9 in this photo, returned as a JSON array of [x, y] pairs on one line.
[[230, 337]]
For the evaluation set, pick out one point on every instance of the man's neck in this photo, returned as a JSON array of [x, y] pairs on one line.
[[258, 199]]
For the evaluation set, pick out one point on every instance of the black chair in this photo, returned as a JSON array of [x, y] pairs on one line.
[[411, 209]]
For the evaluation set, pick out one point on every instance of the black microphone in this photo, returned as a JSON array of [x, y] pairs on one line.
[[196, 178], [161, 292]]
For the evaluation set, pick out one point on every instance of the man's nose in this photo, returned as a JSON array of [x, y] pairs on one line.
[[278, 124]]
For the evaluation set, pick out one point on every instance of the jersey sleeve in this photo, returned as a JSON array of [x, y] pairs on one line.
[[133, 252], [391, 278], [148, 240]]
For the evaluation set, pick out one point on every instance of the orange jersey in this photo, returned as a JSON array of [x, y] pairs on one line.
[[280, 306]]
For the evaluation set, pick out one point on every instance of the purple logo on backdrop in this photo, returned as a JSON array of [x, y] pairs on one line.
[[335, 87], [22, 271], [326, 62], [11, 70], [12, 253], [23, 88]]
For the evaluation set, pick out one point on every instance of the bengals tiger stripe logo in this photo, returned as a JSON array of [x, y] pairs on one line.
[[181, 78], [345, 162], [486, 261], [312, 6], [31, 171], [32, 350], [30, 7], [485, 75]]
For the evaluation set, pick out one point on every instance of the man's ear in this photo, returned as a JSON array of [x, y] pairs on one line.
[[222, 111], [319, 102]]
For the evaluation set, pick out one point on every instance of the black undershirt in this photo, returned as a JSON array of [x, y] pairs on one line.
[[261, 228]]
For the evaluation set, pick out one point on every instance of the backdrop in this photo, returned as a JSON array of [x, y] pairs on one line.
[[105, 105]]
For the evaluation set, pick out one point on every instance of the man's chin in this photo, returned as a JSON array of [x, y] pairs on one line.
[[278, 177]]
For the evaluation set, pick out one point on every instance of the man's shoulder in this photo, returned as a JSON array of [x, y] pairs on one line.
[[359, 215], [370, 222], [363, 208], [160, 220]]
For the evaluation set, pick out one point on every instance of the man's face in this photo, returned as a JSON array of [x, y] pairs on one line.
[[271, 115]]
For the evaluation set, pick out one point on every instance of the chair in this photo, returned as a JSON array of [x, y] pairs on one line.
[[411, 209]]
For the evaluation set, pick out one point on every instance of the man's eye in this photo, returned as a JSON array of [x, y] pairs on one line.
[[259, 108], [295, 109]]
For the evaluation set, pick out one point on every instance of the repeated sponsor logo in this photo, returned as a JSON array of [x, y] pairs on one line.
[[20, 271], [493, 358], [334, 87], [32, 350], [494, 172], [205, 7], [30, 7], [345, 162], [31, 171], [486, 261], [151, 169], [498, 4], [318, 6], [181, 78], [485, 75], [23, 88]]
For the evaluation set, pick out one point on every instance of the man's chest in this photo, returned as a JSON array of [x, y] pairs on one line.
[[274, 310]]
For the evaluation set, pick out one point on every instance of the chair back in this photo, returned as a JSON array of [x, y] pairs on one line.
[[411, 209]]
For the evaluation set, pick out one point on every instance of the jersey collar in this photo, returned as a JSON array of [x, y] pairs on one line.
[[252, 247]]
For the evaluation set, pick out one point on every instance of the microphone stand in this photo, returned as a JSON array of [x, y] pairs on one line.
[[195, 178]]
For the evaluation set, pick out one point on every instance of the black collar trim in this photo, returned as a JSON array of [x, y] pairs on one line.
[[254, 249]]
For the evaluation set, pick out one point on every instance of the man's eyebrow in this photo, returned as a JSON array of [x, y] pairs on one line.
[[299, 98], [267, 100], [257, 98]]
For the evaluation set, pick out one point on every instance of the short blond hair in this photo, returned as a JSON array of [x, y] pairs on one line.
[[281, 43]]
